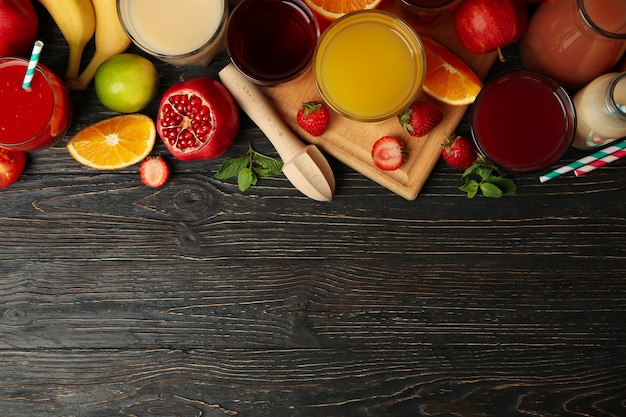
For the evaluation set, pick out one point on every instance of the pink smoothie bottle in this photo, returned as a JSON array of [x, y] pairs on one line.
[[575, 41]]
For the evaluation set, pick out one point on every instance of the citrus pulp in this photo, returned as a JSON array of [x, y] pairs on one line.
[[448, 78], [114, 143], [334, 9]]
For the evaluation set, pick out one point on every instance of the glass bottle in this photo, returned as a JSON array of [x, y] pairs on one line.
[[575, 41], [601, 111]]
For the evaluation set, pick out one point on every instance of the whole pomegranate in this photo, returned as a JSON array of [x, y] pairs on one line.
[[197, 119], [18, 27]]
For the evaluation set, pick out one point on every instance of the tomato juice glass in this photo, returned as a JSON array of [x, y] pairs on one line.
[[271, 41], [179, 32], [523, 121], [369, 65], [427, 11], [36, 118]]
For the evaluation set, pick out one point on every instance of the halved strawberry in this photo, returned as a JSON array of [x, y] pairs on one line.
[[388, 153], [154, 172]]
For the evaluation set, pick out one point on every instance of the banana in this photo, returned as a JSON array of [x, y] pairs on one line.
[[110, 40], [77, 21]]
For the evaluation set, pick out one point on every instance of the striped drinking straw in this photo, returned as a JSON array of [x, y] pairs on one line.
[[583, 161], [600, 162], [32, 65]]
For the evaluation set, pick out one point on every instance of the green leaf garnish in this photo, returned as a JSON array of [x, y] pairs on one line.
[[487, 178], [249, 167]]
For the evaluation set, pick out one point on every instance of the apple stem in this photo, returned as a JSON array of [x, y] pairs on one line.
[[500, 55]]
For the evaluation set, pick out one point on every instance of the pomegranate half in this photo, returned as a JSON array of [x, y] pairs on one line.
[[197, 119]]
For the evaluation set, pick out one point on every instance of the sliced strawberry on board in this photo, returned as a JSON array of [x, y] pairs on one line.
[[388, 153]]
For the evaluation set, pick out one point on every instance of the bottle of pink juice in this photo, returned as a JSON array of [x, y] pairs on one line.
[[575, 41], [35, 118]]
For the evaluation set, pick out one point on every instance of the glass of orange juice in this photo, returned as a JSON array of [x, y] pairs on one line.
[[369, 65], [182, 32]]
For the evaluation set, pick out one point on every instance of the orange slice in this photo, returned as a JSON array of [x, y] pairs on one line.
[[448, 78], [334, 9], [114, 143]]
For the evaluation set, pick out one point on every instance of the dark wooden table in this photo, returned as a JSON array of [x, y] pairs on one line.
[[198, 300]]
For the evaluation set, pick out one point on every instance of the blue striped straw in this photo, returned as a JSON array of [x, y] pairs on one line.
[[32, 65], [583, 161]]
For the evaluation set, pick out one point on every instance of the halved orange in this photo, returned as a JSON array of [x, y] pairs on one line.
[[448, 78], [334, 9], [114, 143]]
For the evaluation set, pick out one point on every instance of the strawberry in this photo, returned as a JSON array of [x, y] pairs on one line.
[[458, 152], [154, 172], [313, 117], [388, 153], [420, 118]]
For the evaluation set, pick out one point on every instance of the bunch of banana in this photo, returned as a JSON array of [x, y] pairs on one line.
[[78, 20]]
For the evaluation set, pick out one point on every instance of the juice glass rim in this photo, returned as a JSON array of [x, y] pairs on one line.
[[301, 69], [584, 14], [569, 123], [409, 36], [166, 57], [44, 72]]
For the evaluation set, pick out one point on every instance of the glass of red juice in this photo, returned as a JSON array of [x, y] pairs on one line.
[[272, 41], [523, 121], [36, 118]]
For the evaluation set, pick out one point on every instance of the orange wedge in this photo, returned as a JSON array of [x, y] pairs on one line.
[[334, 9], [448, 78], [114, 143]]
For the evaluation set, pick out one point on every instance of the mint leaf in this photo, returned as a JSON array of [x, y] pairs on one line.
[[231, 167], [245, 179], [487, 178], [270, 166], [249, 167], [470, 187], [507, 185], [490, 190]]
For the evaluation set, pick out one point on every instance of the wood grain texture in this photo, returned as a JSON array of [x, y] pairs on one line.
[[198, 300]]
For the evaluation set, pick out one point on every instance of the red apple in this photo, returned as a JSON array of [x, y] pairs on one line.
[[18, 27], [484, 26]]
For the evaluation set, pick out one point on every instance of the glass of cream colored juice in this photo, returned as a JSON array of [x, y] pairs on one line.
[[369, 65], [179, 32]]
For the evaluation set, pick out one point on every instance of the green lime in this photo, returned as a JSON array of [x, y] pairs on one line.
[[126, 83]]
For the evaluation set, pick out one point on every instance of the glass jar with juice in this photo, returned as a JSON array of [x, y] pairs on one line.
[[36, 118], [369, 65], [181, 32], [601, 111], [575, 41]]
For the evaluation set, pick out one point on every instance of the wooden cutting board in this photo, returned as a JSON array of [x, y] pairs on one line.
[[351, 142]]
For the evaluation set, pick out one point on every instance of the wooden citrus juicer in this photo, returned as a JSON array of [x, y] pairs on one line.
[[304, 165]]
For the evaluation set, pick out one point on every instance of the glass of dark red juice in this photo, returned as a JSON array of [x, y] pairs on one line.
[[523, 121], [34, 118], [272, 41]]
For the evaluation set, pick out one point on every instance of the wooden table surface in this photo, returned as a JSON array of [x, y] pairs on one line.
[[198, 300]]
